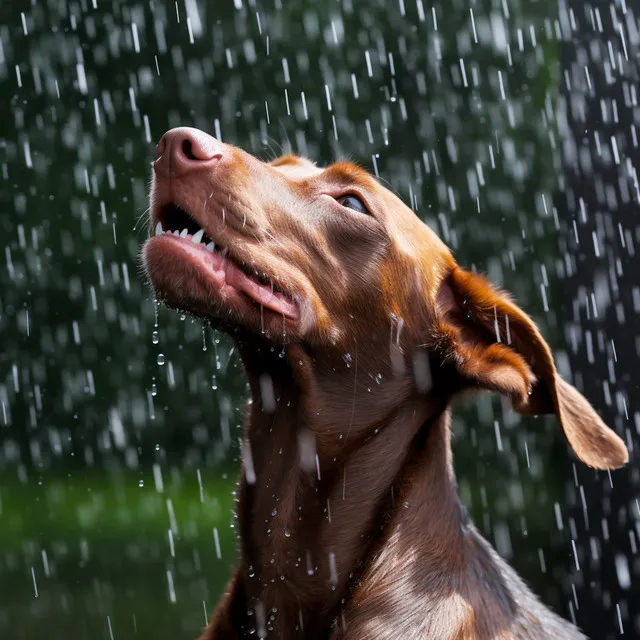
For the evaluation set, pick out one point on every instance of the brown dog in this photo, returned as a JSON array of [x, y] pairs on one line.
[[356, 329]]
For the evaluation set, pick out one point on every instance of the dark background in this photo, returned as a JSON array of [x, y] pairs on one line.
[[511, 126]]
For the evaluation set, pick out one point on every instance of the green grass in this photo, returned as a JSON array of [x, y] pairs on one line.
[[99, 505], [101, 556]]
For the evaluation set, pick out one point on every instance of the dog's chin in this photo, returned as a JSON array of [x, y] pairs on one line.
[[185, 287], [218, 315]]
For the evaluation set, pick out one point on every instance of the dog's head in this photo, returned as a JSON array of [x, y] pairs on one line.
[[283, 249], [329, 259]]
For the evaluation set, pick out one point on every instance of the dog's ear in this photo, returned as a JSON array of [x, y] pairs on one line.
[[495, 345]]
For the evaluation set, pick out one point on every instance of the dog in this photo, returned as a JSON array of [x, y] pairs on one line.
[[356, 329]]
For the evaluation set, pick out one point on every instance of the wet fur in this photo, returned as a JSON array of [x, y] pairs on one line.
[[378, 544]]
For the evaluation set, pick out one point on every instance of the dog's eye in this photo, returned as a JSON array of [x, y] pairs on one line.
[[352, 202]]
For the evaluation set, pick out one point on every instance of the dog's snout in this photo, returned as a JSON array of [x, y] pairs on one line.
[[185, 149]]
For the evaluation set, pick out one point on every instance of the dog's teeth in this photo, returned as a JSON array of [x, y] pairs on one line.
[[211, 247], [159, 229], [175, 233], [224, 253], [183, 233], [197, 236]]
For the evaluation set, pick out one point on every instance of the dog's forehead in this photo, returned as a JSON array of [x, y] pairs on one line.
[[412, 237], [341, 172], [296, 167]]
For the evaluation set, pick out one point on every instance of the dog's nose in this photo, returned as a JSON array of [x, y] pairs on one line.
[[185, 149]]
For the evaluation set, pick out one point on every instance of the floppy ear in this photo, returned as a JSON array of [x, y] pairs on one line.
[[494, 344]]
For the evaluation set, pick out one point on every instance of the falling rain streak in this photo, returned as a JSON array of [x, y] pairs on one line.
[[510, 127]]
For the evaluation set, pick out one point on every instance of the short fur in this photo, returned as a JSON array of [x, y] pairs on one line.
[[349, 519]]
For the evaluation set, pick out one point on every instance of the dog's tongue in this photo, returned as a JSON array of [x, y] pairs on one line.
[[261, 293]]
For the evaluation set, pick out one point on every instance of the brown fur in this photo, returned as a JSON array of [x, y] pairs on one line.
[[349, 521]]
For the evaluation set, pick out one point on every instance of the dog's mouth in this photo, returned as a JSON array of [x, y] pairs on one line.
[[173, 219], [230, 277]]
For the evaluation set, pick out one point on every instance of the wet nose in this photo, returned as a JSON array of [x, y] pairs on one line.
[[185, 149]]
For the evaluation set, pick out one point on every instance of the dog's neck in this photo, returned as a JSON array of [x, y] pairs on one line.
[[320, 482]]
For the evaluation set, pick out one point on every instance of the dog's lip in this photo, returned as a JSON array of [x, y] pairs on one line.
[[228, 267]]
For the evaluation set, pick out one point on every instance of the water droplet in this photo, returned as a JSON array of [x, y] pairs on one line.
[[155, 337], [161, 359]]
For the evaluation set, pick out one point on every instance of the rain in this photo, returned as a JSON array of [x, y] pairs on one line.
[[509, 126]]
